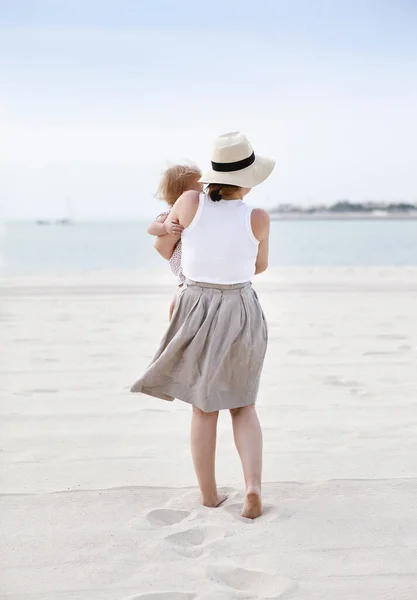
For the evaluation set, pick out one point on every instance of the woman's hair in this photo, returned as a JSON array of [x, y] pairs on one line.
[[175, 181], [217, 191]]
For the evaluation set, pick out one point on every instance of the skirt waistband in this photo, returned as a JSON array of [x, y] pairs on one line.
[[219, 286]]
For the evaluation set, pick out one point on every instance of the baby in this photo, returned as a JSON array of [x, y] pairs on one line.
[[175, 181]]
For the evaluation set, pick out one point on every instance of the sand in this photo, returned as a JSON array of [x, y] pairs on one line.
[[98, 496]]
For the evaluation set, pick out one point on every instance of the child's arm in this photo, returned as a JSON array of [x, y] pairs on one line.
[[165, 244], [158, 226]]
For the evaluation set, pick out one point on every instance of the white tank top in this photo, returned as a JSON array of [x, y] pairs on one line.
[[219, 246]]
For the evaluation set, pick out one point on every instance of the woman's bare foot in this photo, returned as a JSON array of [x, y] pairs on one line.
[[253, 503], [214, 501]]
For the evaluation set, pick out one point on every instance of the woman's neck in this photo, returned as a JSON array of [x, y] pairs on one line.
[[236, 196]]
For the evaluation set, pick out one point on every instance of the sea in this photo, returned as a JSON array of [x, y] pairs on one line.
[[30, 248]]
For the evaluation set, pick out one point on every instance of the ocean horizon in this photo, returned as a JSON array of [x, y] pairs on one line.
[[26, 247]]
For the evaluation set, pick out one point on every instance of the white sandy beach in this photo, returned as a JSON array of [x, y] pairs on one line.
[[99, 500]]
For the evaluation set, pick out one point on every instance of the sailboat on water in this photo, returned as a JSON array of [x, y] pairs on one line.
[[65, 220], [62, 221]]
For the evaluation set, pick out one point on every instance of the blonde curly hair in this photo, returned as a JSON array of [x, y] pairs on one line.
[[175, 181]]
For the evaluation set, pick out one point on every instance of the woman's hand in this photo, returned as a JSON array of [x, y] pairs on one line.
[[173, 227]]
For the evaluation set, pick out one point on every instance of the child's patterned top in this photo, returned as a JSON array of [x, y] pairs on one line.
[[175, 260]]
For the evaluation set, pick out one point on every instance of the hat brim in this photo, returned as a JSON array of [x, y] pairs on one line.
[[253, 175]]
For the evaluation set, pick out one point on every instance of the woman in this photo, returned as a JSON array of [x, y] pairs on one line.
[[213, 352]]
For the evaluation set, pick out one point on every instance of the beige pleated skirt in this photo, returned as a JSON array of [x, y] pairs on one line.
[[213, 352]]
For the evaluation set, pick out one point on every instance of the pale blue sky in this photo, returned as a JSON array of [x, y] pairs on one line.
[[96, 96]]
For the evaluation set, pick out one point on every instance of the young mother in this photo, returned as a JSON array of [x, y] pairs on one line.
[[213, 352]]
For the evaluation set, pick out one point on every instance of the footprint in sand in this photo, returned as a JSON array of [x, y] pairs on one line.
[[263, 585], [164, 517], [390, 336], [340, 381], [193, 541], [226, 596], [230, 491], [298, 352], [41, 391], [164, 596], [381, 353]]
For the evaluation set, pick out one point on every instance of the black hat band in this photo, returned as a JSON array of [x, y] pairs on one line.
[[233, 166]]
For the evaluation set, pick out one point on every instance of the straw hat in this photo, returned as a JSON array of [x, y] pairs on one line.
[[233, 162]]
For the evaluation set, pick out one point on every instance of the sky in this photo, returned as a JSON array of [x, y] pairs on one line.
[[97, 97]]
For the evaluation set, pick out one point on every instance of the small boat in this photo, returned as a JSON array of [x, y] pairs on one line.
[[65, 220]]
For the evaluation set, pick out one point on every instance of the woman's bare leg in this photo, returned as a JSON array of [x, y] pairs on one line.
[[203, 449], [248, 439]]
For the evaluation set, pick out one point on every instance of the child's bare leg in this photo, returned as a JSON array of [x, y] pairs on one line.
[[172, 306], [248, 439], [203, 449], [173, 302]]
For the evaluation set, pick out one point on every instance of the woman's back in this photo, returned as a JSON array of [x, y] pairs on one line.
[[219, 246]]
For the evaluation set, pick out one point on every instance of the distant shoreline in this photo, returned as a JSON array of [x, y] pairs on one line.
[[347, 216]]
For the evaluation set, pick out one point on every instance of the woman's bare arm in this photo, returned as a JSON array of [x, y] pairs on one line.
[[260, 222], [165, 245], [183, 212], [157, 227]]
